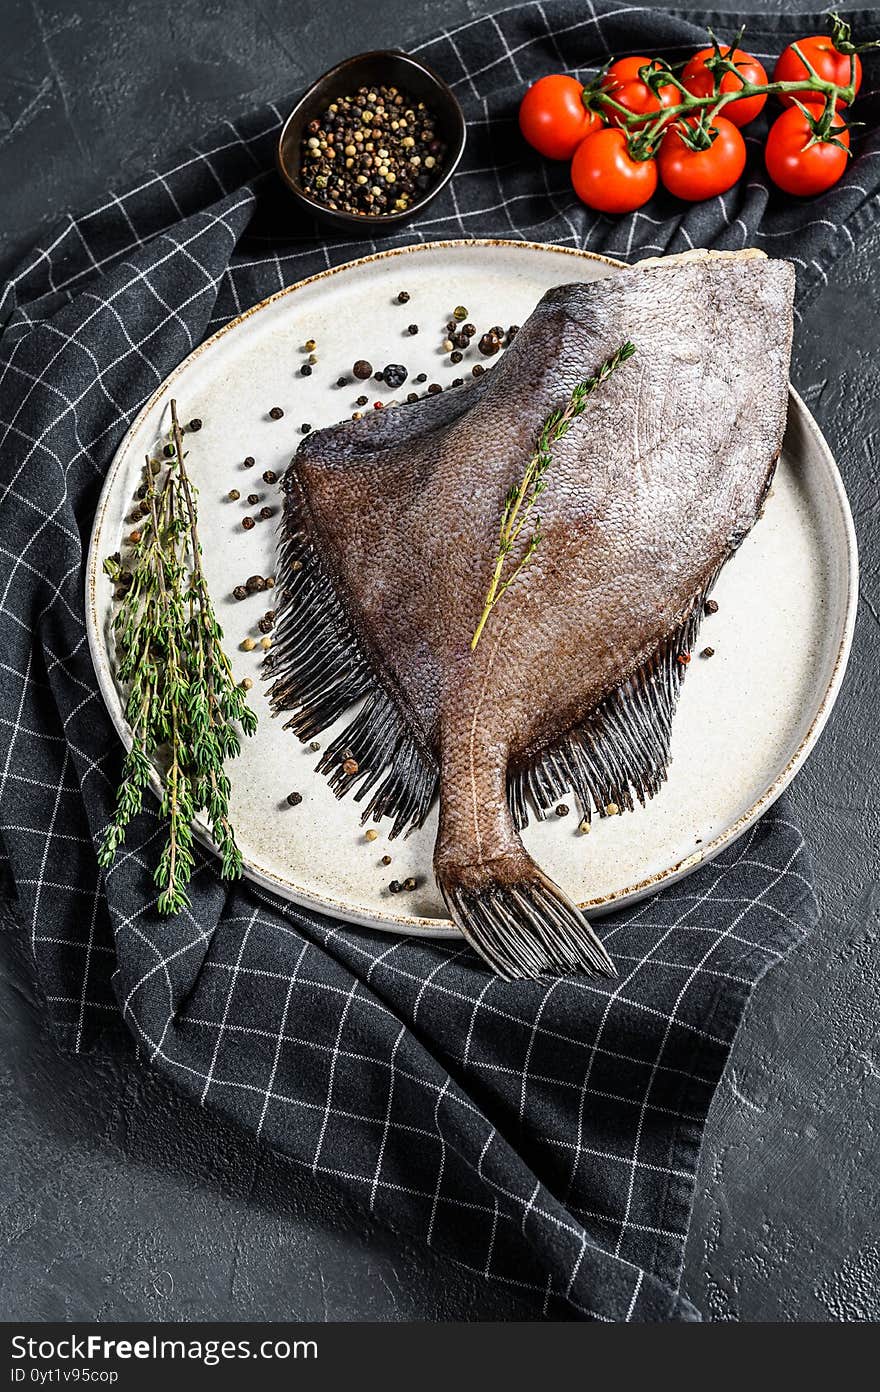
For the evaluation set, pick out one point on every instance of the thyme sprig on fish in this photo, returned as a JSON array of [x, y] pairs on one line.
[[182, 704], [522, 497]]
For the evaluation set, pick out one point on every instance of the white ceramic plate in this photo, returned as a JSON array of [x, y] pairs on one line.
[[747, 719]]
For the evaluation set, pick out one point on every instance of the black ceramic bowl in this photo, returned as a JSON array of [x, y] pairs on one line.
[[395, 69]]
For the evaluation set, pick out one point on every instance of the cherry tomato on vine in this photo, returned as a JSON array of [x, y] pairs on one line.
[[697, 174], [794, 164], [829, 62], [553, 118], [622, 82], [607, 178], [699, 80]]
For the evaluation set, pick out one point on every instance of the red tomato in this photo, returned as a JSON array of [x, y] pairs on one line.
[[697, 174], [793, 164], [606, 177], [622, 82], [553, 118], [698, 79], [829, 63]]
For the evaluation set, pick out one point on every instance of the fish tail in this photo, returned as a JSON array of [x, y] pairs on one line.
[[519, 921]]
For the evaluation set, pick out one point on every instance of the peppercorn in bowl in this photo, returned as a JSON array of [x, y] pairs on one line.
[[372, 142]]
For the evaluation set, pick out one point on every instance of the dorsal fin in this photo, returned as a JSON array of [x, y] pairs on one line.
[[320, 670], [620, 754]]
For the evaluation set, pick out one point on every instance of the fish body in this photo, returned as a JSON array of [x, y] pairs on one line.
[[389, 540]]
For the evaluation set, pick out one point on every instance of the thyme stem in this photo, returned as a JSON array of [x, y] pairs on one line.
[[522, 496], [182, 702]]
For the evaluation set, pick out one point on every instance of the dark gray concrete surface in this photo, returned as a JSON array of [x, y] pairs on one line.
[[118, 1200]]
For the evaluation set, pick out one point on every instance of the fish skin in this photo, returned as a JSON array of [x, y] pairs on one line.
[[649, 493]]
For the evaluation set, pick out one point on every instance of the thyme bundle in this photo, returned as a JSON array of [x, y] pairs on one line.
[[183, 705], [522, 496]]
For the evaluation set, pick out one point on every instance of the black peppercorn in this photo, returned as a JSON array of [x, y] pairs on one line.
[[489, 344], [512, 332], [403, 297], [412, 396], [456, 357], [395, 374], [305, 427], [386, 860], [410, 883], [422, 377], [413, 330], [394, 887], [233, 495], [362, 401], [276, 413], [342, 381], [305, 370], [434, 388], [711, 606], [362, 369], [294, 799], [247, 523], [562, 810], [195, 424], [253, 499], [168, 451], [254, 584], [266, 513], [270, 476], [248, 462], [477, 370], [239, 592], [266, 624]]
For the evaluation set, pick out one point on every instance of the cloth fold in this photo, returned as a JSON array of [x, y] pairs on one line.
[[545, 1134]]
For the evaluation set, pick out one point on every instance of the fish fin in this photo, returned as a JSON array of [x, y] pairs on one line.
[[320, 670], [520, 922], [620, 754]]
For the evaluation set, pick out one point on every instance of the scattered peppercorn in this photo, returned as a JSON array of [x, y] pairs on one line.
[[584, 827], [266, 513], [270, 476], [413, 330], [708, 652], [270, 581], [477, 370], [447, 345], [246, 684], [403, 297], [313, 358], [195, 424], [305, 428], [357, 415], [562, 809], [422, 377], [310, 345], [276, 413], [305, 370], [459, 313], [233, 495], [458, 381], [168, 451], [469, 330], [239, 592], [394, 887], [489, 344], [267, 622], [410, 883], [254, 584], [683, 659], [512, 332], [456, 356], [412, 396], [361, 401], [395, 374], [248, 644], [134, 537], [294, 799], [342, 381], [350, 766], [253, 499], [378, 405], [711, 606], [362, 369], [434, 388], [612, 809], [248, 462], [386, 860], [314, 746], [371, 834]]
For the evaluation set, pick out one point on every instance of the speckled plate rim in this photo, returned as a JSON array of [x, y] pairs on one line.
[[432, 927]]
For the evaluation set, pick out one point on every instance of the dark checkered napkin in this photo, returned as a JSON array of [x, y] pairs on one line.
[[545, 1134]]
